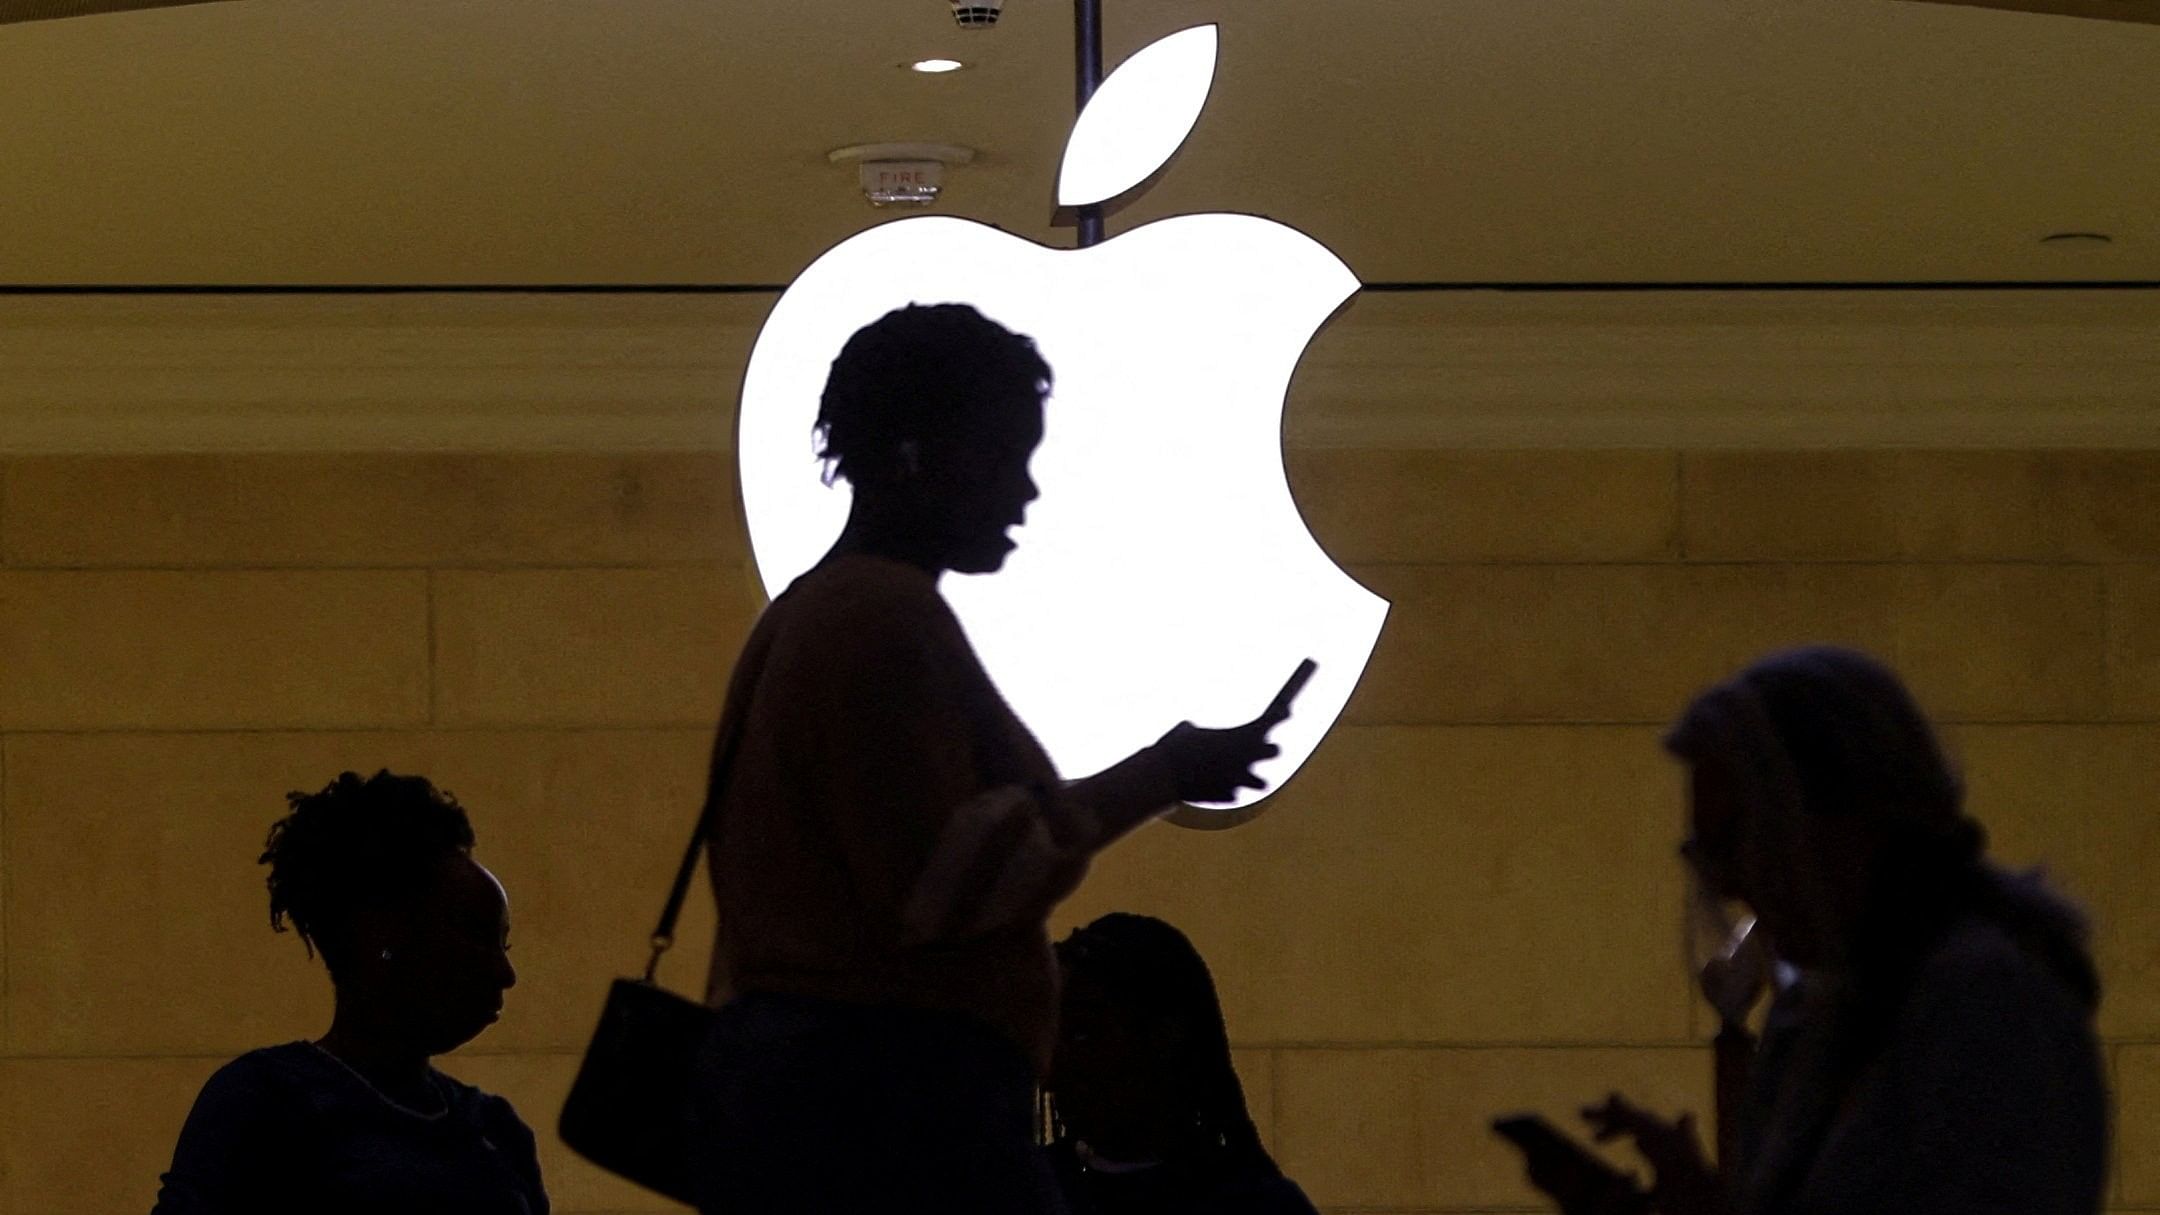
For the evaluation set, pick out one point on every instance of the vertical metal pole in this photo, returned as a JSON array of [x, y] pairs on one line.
[[1087, 74]]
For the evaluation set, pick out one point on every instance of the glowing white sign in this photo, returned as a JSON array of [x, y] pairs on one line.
[[1138, 118], [1165, 573]]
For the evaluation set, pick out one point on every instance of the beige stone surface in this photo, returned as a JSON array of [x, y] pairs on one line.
[[1392, 507], [1512, 885], [2003, 642], [1459, 867], [2137, 1124], [2133, 641], [383, 509], [588, 646], [1984, 505], [1402, 1128], [1598, 643], [2111, 507], [91, 1136], [138, 915], [2083, 801], [1788, 506], [211, 650], [1981, 505]]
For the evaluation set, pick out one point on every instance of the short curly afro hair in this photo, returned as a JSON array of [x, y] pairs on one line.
[[923, 373], [357, 842]]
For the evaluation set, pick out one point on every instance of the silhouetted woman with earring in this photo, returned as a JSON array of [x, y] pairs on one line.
[[377, 876], [890, 838]]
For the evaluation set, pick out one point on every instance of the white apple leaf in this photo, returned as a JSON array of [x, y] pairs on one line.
[[1138, 118]]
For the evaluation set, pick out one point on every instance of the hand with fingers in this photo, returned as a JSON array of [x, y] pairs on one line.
[[1685, 1183], [1214, 765]]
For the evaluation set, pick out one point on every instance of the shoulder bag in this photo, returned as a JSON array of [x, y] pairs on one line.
[[627, 1110]]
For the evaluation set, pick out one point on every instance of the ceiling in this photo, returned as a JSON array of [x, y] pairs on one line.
[[684, 141]]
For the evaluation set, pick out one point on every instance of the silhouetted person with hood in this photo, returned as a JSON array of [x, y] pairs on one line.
[[1936, 1053]]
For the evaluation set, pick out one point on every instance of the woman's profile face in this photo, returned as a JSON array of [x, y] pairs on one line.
[[1797, 891], [450, 967], [977, 487]]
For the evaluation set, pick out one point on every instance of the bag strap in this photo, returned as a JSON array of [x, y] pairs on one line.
[[723, 759]]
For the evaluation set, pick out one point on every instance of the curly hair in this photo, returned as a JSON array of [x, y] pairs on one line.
[[922, 374], [1154, 970], [356, 842]]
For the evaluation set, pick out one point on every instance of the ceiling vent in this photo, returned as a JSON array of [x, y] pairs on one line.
[[976, 14]]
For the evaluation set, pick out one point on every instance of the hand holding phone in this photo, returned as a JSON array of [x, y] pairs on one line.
[[1211, 766], [1571, 1174]]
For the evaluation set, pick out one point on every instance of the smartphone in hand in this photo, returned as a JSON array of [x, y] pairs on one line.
[[1576, 1177], [1278, 710]]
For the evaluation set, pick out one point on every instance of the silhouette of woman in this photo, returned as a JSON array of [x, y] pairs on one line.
[[1144, 1112], [1936, 1052], [890, 838], [377, 876]]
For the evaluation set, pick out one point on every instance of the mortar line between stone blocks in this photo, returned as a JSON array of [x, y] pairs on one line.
[[672, 727], [434, 657], [2116, 1191], [362, 567], [1636, 723], [2108, 699], [678, 564], [575, 1050], [1680, 531], [1346, 1046], [1711, 563], [7, 925], [421, 727], [564, 1052]]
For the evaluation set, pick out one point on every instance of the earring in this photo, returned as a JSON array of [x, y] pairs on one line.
[[385, 955]]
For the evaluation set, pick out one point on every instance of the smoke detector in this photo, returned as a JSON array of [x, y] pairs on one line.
[[976, 14], [901, 174]]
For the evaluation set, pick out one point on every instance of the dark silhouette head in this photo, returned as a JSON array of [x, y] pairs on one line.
[[376, 875], [1142, 1070], [1821, 796], [931, 414]]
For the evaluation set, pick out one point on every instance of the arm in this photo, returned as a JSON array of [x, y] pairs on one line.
[[1012, 853], [1015, 852], [947, 816], [1049, 833], [235, 1151]]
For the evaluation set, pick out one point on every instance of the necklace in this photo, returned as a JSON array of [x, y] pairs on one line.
[[369, 1085]]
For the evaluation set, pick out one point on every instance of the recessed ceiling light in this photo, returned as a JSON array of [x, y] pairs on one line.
[[936, 67], [2077, 238]]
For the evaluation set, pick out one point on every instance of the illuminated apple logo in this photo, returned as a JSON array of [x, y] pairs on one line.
[[1165, 572]]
